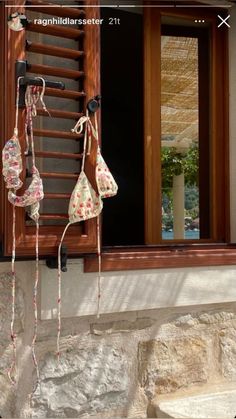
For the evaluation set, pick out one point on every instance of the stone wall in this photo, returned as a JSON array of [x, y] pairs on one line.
[[116, 365]]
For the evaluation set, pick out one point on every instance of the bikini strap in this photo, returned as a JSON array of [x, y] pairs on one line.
[[42, 95], [59, 292], [17, 105], [85, 140]]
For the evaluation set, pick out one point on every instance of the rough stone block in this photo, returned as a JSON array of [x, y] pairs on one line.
[[7, 398], [186, 321], [87, 381], [216, 317], [167, 365], [228, 353]]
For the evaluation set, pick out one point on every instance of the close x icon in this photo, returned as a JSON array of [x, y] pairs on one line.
[[224, 21]]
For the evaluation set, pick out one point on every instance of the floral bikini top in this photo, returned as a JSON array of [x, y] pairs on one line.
[[85, 203], [12, 161]]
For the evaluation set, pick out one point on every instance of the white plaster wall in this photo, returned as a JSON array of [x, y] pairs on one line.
[[125, 291], [135, 290]]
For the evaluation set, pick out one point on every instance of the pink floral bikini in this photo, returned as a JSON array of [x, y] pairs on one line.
[[85, 203], [12, 168]]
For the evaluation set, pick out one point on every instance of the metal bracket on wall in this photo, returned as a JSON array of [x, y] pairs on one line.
[[52, 262], [21, 68]]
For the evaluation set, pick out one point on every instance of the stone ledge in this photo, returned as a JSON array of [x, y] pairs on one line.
[[213, 404]]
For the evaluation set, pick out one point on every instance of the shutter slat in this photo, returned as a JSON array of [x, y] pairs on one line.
[[56, 30], [54, 51], [57, 134], [54, 10], [65, 94], [55, 71], [53, 217], [54, 175], [56, 113], [57, 196], [58, 155]]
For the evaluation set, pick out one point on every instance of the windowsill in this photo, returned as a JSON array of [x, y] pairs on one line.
[[177, 256]]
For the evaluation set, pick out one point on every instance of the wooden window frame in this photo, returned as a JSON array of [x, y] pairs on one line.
[[218, 126], [179, 254], [49, 236]]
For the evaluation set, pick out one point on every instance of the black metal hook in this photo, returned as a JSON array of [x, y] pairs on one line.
[[21, 68], [94, 103]]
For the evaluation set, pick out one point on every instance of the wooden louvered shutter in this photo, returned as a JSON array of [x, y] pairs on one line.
[[59, 53]]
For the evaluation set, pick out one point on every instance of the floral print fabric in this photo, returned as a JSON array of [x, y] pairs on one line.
[[32, 195], [12, 163], [106, 184], [84, 203]]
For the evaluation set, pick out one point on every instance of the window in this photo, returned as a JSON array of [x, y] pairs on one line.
[[185, 135], [164, 84], [178, 117]]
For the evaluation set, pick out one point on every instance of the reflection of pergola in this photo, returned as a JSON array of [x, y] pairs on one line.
[[179, 91], [179, 108]]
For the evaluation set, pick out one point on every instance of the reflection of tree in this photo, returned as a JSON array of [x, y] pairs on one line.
[[167, 222], [174, 163], [191, 197], [192, 202]]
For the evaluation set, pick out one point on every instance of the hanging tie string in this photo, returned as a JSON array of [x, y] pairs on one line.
[[30, 101], [59, 293], [36, 308], [17, 105], [85, 143], [12, 369], [78, 129], [29, 104], [32, 97], [99, 267], [95, 133], [99, 277], [89, 131], [42, 96], [31, 111]]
